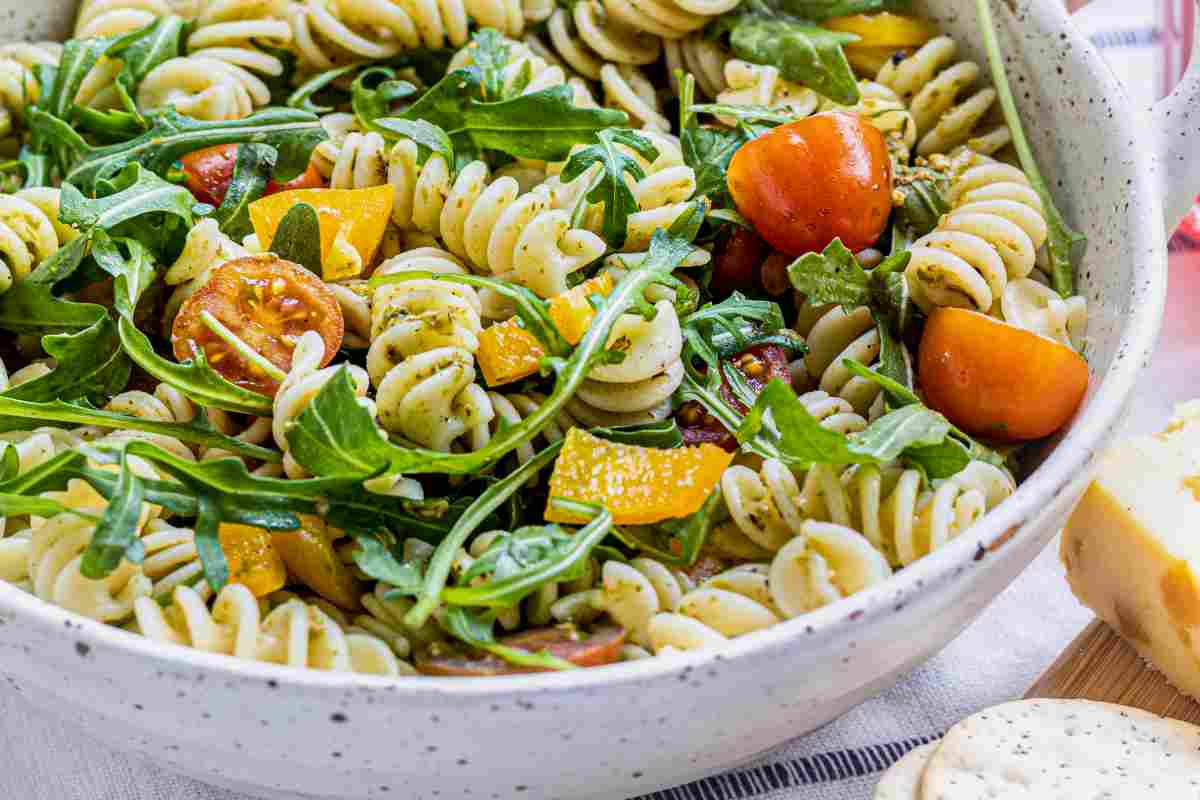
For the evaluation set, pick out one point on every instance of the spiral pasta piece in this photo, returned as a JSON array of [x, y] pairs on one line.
[[424, 336], [55, 552], [837, 335], [931, 81], [227, 31], [587, 38], [639, 389], [991, 236], [295, 633], [28, 234], [905, 521], [1036, 307], [823, 564], [18, 85], [702, 57], [662, 195], [115, 17], [197, 86], [670, 19], [761, 85]]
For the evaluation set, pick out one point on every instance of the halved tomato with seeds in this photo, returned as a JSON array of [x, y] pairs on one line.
[[265, 302], [759, 365]]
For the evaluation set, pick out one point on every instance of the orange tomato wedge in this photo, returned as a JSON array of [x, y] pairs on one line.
[[998, 381], [639, 485], [310, 557], [884, 29], [253, 560], [508, 352], [358, 216]]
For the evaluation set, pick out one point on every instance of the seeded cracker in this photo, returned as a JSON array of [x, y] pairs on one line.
[[903, 780], [1065, 750]]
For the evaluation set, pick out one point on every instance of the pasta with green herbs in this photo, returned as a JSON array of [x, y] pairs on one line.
[[487, 336]]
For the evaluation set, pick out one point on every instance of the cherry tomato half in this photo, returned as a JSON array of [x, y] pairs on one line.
[[267, 303], [809, 182], [210, 170], [759, 365], [998, 381], [603, 646]]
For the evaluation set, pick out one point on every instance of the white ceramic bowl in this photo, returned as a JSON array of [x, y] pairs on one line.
[[618, 731]]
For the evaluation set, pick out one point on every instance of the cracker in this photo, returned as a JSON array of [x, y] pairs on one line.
[[903, 779], [1065, 750]]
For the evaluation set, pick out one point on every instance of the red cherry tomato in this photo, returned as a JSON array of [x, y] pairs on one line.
[[738, 261], [759, 365], [210, 170], [809, 182], [998, 381]]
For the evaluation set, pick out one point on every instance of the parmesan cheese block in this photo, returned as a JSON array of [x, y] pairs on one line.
[[1132, 546]]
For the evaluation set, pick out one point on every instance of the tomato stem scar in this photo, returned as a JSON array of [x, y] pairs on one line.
[[243, 349]]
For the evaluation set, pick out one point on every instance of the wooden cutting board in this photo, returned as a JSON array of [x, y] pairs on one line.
[[1099, 665]]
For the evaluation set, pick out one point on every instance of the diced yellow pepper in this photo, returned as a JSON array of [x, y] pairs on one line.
[[253, 560], [354, 219], [508, 352], [884, 29], [310, 557], [639, 485]]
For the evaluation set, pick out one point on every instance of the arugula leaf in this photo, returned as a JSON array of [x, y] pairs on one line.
[[294, 134], [142, 50], [677, 541], [208, 541], [88, 362], [251, 173], [707, 151], [834, 276], [13, 505], [132, 273], [336, 435], [195, 377], [804, 53], [137, 193], [438, 570], [824, 9], [748, 113], [198, 432], [374, 93], [943, 460], [1064, 245], [909, 426], [116, 537], [477, 630], [302, 97], [427, 135], [662, 435], [376, 559], [298, 238], [10, 466], [517, 564], [797, 438], [31, 308], [610, 186], [898, 393], [543, 125]]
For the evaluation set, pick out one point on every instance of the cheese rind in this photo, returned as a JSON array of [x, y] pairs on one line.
[[1132, 546]]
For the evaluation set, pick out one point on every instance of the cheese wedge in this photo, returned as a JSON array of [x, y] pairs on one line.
[[1132, 546]]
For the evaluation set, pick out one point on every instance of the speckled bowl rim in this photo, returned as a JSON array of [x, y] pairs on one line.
[[1062, 469]]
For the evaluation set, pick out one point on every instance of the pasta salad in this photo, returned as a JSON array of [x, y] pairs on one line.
[[493, 337]]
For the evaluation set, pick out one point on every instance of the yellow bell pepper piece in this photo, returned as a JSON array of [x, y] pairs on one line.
[[253, 560], [352, 219], [884, 29], [508, 352], [311, 558], [639, 485]]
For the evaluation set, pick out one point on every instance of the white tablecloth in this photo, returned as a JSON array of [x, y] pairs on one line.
[[1032, 621]]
